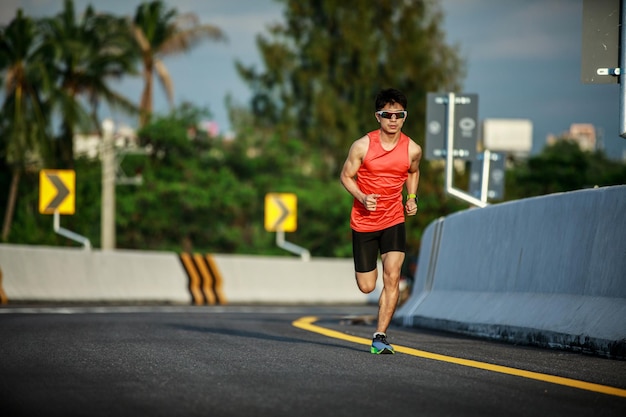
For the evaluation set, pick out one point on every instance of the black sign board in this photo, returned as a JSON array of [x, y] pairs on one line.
[[495, 189], [600, 41], [465, 126]]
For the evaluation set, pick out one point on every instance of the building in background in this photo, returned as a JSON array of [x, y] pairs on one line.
[[88, 145], [513, 137], [584, 134]]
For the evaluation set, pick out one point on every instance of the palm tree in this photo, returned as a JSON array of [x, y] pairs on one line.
[[160, 32], [23, 124], [113, 57], [89, 52]]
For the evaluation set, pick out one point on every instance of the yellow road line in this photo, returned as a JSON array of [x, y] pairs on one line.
[[306, 323]]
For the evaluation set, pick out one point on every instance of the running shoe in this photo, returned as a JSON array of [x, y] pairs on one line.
[[380, 345]]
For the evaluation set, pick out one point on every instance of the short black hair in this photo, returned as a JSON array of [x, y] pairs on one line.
[[390, 96]]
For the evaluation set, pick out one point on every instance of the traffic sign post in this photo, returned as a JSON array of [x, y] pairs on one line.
[[604, 48], [443, 124], [280, 217], [56, 191], [600, 42], [487, 176], [281, 212], [56, 197], [465, 126]]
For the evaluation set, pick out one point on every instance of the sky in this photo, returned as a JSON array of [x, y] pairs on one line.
[[523, 60]]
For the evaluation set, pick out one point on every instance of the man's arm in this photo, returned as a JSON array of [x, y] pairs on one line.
[[413, 179], [351, 167]]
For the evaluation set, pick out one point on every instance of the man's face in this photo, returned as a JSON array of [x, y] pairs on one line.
[[391, 117]]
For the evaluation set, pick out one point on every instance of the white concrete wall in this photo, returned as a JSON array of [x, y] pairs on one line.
[[37, 273], [548, 270], [290, 280]]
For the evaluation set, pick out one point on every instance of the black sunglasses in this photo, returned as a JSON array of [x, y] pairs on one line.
[[387, 114]]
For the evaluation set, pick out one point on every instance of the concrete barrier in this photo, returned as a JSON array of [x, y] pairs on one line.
[[549, 271], [37, 273], [290, 280], [50, 274]]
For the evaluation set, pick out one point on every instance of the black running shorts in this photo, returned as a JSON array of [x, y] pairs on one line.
[[367, 245]]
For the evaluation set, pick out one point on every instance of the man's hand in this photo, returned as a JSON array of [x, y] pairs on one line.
[[411, 207], [370, 201]]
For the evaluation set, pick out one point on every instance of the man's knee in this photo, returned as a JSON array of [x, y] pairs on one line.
[[366, 281], [366, 288], [392, 272], [391, 280]]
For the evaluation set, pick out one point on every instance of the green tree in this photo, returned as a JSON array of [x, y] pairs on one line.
[[88, 52], [191, 198], [207, 194], [160, 32], [23, 124], [562, 167], [329, 59]]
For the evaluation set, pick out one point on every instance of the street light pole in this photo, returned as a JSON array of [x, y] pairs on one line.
[[108, 186]]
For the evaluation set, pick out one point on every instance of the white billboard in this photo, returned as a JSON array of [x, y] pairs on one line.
[[508, 135]]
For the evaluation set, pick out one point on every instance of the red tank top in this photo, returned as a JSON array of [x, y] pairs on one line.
[[382, 172]]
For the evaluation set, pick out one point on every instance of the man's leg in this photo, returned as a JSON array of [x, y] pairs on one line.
[[365, 251], [392, 265]]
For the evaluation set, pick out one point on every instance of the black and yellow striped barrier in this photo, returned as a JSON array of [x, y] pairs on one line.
[[205, 280]]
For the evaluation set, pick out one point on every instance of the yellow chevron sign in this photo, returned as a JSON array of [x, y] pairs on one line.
[[56, 191], [281, 212]]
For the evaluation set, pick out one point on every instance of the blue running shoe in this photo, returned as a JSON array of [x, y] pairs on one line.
[[380, 345]]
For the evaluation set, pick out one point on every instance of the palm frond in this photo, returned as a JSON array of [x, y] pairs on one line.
[[183, 41]]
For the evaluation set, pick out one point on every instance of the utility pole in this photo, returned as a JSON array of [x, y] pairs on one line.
[[108, 186]]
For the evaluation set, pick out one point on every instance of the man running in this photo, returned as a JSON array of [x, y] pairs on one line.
[[377, 167]]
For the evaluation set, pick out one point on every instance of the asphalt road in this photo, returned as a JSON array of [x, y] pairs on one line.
[[280, 361]]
